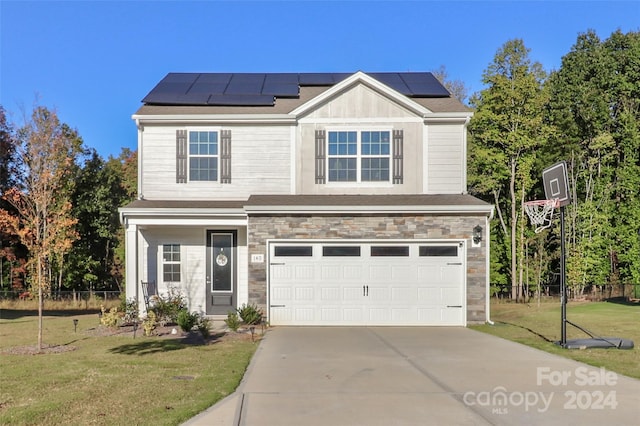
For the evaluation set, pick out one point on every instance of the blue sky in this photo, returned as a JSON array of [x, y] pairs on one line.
[[93, 61]]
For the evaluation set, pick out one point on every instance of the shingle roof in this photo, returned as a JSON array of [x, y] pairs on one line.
[[343, 202], [216, 93]]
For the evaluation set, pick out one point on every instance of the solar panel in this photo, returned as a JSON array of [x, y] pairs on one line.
[[424, 84], [283, 85], [245, 84], [180, 77], [393, 80], [261, 88], [209, 88], [316, 79]]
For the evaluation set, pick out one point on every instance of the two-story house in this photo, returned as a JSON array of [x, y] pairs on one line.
[[325, 199]]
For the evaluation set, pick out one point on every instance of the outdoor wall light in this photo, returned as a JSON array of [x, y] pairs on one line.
[[477, 234]]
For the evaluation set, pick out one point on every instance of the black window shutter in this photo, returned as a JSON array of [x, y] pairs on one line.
[[398, 156], [181, 156], [225, 156], [321, 155]]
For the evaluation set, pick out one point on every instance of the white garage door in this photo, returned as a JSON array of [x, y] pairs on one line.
[[400, 283]]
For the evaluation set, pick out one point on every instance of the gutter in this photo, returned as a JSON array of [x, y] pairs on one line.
[[215, 118], [442, 209]]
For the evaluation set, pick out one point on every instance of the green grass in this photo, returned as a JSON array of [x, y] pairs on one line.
[[540, 327], [110, 379]]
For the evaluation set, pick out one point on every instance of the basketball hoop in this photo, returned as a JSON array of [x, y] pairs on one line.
[[540, 212]]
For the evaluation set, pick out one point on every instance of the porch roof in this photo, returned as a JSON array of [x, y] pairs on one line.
[[307, 204]]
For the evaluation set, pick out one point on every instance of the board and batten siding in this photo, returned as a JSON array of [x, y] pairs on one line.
[[360, 108], [444, 159], [260, 164]]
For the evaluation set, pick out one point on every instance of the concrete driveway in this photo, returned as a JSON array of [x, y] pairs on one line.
[[418, 376]]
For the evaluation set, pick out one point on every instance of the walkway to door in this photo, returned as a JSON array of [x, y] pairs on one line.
[[419, 376]]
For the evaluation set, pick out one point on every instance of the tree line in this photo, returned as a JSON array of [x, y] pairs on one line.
[[58, 206], [59, 200], [586, 113]]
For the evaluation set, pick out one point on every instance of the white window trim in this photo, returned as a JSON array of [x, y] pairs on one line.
[[164, 262], [218, 130], [359, 182]]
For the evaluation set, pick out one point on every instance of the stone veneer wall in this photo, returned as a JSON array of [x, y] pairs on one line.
[[368, 227]]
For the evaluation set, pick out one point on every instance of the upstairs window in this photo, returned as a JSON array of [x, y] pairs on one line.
[[359, 156], [203, 156]]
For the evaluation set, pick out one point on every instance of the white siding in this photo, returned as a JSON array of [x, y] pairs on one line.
[[444, 159], [260, 164], [192, 242]]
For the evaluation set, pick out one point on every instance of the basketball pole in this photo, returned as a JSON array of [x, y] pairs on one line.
[[563, 284]]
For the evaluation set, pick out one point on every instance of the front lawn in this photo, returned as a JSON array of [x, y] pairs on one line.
[[539, 327], [105, 378]]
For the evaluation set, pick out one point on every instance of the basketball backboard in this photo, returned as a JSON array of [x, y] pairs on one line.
[[556, 183]]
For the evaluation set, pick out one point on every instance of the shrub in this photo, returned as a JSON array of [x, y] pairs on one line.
[[232, 321], [130, 310], [186, 320], [110, 318], [203, 324], [167, 307], [250, 314], [149, 323]]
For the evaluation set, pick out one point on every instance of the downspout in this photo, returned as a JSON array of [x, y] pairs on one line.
[[488, 268], [464, 149]]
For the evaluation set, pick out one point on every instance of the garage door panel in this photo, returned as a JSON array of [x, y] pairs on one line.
[[356, 272], [428, 294], [451, 296], [331, 314], [380, 273], [330, 294], [375, 293], [281, 315], [352, 315], [282, 293], [450, 274], [281, 273], [379, 316], [403, 316], [429, 273], [429, 316], [404, 294], [404, 273], [352, 293], [450, 316], [304, 315], [304, 272], [304, 293]]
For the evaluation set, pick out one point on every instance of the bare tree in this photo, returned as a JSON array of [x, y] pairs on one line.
[[457, 88]]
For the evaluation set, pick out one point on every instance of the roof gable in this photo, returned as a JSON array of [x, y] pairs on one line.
[[354, 80]]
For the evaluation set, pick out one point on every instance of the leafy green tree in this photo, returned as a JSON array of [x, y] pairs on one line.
[[507, 128], [101, 188]]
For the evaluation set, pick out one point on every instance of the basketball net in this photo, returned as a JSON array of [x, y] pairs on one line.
[[540, 212]]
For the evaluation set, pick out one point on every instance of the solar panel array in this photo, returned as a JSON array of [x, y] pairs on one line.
[[262, 89]]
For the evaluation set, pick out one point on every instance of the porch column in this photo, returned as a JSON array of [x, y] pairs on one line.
[[131, 264]]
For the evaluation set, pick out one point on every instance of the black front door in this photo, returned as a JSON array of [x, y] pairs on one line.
[[221, 272]]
